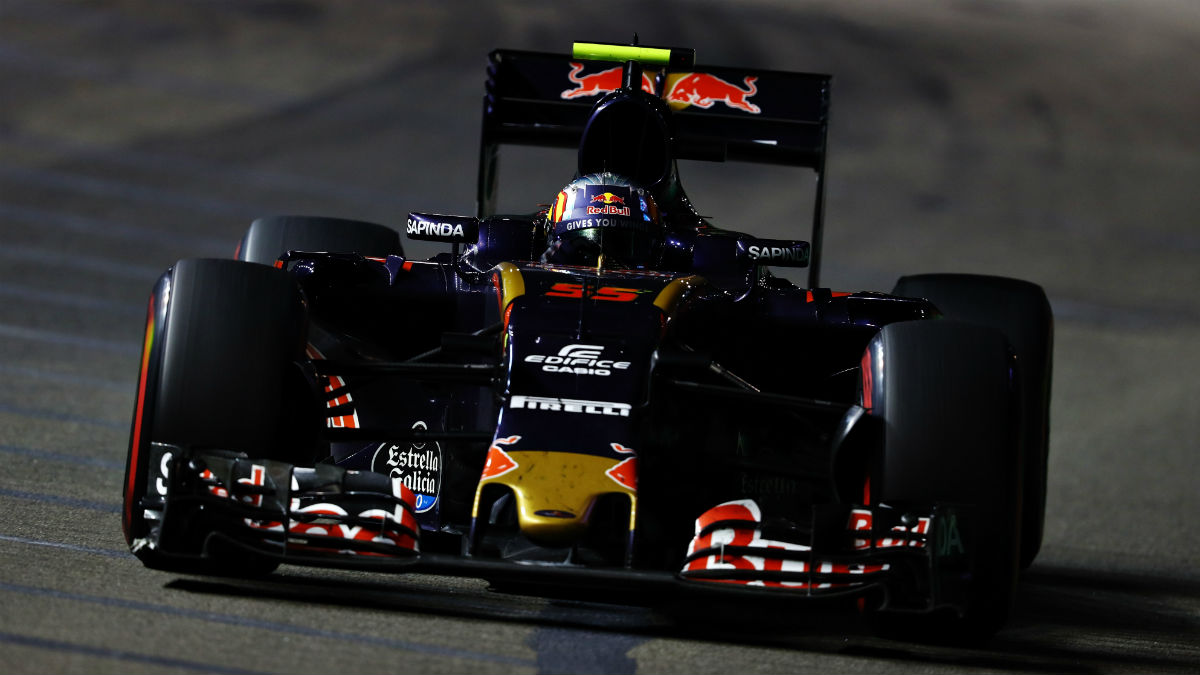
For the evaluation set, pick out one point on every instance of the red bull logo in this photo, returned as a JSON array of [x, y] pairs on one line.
[[594, 84], [613, 205], [703, 90], [683, 89], [608, 198]]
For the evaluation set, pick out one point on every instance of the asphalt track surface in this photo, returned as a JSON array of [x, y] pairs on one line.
[[1054, 141]]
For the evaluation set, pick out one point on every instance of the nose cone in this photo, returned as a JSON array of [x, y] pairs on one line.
[[555, 491]]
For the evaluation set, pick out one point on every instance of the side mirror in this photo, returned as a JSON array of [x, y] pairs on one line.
[[778, 252], [447, 229]]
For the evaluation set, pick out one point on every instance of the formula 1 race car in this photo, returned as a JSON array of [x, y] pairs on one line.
[[611, 390]]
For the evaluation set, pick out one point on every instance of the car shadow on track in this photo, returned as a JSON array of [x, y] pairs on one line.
[[1120, 620], [1064, 621]]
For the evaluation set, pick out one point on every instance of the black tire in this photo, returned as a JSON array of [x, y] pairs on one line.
[[218, 370], [269, 238], [1021, 311], [944, 391]]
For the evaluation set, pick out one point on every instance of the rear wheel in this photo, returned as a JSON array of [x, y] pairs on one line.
[[1019, 310], [944, 391], [218, 371], [269, 238]]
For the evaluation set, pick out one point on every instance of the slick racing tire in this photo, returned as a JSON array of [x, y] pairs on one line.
[[1019, 310], [944, 393], [269, 238], [218, 371]]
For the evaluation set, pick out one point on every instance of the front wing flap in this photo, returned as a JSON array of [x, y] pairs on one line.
[[913, 557], [320, 515]]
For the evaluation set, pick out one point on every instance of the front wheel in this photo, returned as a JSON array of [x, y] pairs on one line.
[[1020, 310], [218, 371], [945, 392], [269, 238]]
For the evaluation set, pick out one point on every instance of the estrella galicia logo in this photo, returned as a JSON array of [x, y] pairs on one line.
[[418, 465]]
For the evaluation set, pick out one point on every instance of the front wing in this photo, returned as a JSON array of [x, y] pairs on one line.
[[203, 501]]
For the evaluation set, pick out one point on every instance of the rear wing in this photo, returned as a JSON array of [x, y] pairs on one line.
[[761, 116]]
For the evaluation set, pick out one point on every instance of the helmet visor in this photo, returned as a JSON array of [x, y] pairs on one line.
[[630, 247]]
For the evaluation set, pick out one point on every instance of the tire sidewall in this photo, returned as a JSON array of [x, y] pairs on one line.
[[945, 394]]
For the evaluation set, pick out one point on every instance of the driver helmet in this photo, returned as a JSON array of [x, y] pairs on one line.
[[604, 219]]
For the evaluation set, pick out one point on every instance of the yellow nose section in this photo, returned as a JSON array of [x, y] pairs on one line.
[[555, 491]]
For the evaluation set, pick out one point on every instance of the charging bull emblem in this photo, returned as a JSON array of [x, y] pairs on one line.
[[703, 90], [602, 82], [608, 198]]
